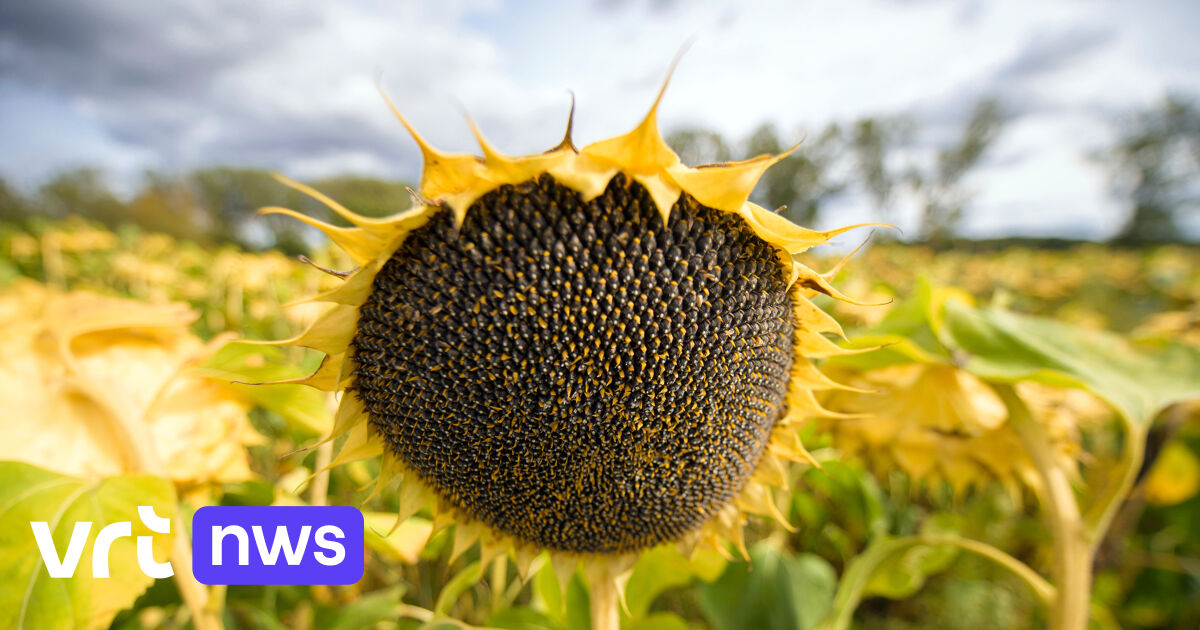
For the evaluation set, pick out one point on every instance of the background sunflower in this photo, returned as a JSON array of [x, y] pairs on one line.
[[1024, 464]]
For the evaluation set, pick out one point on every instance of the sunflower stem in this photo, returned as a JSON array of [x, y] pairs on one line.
[[1072, 549], [320, 486], [205, 615], [606, 614], [858, 574], [854, 580], [143, 457], [1043, 589]]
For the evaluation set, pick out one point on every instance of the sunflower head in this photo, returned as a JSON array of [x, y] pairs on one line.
[[111, 383], [588, 351], [936, 422]]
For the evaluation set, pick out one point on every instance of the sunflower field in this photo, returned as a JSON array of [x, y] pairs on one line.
[[1014, 447]]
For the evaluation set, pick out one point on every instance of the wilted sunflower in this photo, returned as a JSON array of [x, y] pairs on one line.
[[101, 386], [587, 351], [940, 423]]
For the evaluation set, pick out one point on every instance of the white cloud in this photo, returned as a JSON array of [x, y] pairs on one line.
[[291, 86]]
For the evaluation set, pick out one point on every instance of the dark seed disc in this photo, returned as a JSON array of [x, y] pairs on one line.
[[578, 375]]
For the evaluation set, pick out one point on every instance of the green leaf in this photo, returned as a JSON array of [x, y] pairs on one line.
[[367, 610], [404, 543], [30, 598], [546, 591], [658, 569], [775, 591], [522, 619], [905, 572], [905, 335], [578, 614], [302, 407], [1138, 380], [658, 621], [468, 577]]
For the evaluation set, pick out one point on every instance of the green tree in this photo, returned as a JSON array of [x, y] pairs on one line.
[[83, 192], [942, 196], [871, 142], [802, 181], [13, 206], [1155, 164], [368, 196], [166, 204], [230, 197], [697, 146]]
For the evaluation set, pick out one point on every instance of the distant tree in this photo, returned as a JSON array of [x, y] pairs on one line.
[[699, 146], [14, 208], [230, 197], [167, 204], [83, 192], [872, 140], [367, 196], [942, 196], [803, 181], [1156, 167]]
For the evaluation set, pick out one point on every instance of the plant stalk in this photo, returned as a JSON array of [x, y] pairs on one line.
[[144, 458], [605, 607], [319, 494], [1072, 548], [858, 573]]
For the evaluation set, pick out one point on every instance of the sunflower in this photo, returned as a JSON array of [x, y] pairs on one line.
[[936, 422], [585, 351], [109, 384]]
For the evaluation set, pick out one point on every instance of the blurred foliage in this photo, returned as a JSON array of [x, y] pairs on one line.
[[211, 206], [1148, 569], [194, 238]]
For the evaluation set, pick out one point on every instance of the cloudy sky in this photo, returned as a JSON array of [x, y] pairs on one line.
[[132, 85]]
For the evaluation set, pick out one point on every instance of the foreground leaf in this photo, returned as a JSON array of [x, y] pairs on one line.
[[775, 591], [1138, 380], [403, 543], [367, 611], [30, 598], [904, 573], [302, 407], [663, 568]]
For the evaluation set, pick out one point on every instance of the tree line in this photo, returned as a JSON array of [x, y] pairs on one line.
[[1153, 164]]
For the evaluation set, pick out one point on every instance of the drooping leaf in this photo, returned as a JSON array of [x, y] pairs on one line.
[[30, 598], [905, 572], [89, 375], [303, 407], [1138, 380]]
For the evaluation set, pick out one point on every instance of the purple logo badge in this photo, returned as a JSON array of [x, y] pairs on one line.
[[277, 545]]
